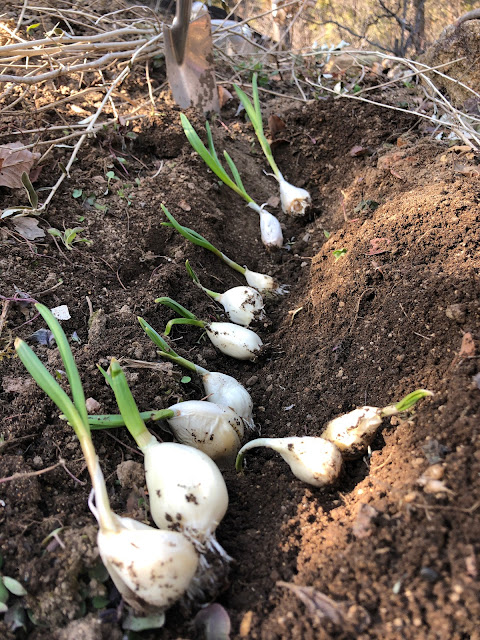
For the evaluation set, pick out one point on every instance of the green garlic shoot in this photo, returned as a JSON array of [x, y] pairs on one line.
[[270, 229], [231, 339], [354, 431], [220, 388], [263, 283], [294, 200], [186, 489], [151, 569]]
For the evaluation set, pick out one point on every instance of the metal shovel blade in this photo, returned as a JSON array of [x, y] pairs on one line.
[[190, 73]]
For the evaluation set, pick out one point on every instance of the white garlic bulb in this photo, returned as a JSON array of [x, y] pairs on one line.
[[187, 492], [354, 431], [216, 430], [234, 340], [312, 460]]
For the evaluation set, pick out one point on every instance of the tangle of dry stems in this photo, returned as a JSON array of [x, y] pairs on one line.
[[111, 45]]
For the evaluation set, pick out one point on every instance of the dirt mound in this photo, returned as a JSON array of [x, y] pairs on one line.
[[396, 308]]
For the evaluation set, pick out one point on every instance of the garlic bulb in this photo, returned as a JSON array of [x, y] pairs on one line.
[[312, 460], [215, 430], [354, 431], [187, 492], [225, 390], [242, 305], [234, 340], [270, 229], [265, 284], [294, 199], [152, 569]]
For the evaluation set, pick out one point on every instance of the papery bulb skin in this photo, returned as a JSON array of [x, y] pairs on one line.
[[152, 569], [312, 460], [243, 305], [234, 340], [187, 492], [226, 391], [295, 200], [263, 283], [216, 430], [354, 431], [270, 230]]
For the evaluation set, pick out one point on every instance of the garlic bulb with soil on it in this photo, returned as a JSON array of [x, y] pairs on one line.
[[243, 305], [295, 200], [220, 388], [152, 569], [270, 229], [187, 492], [217, 431], [354, 432], [231, 339], [312, 460]]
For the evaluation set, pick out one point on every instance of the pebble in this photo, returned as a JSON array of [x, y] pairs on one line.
[[428, 574], [252, 381]]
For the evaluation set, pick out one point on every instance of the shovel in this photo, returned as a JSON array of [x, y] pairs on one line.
[[189, 58]]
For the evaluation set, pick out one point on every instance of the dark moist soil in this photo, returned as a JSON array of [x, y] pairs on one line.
[[399, 310]]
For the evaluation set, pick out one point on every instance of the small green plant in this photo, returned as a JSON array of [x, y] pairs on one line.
[[69, 237], [32, 198], [8, 586], [338, 253]]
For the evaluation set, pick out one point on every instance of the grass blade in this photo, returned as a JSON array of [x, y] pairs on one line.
[[68, 360], [47, 382]]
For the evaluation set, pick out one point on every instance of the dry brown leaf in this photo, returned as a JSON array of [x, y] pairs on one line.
[[358, 150], [28, 228], [275, 124], [224, 96], [14, 163]]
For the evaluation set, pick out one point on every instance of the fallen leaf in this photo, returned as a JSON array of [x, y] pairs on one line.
[[28, 228], [43, 336], [224, 96], [14, 163], [465, 169], [275, 125], [317, 603]]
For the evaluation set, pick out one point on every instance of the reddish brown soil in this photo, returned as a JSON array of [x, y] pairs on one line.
[[399, 558]]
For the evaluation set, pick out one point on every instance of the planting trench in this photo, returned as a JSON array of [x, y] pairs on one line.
[[398, 311]]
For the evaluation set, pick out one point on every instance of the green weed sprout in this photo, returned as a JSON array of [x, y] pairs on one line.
[[294, 199], [263, 283], [270, 229]]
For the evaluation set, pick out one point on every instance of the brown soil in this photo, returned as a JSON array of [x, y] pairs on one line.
[[393, 314]]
